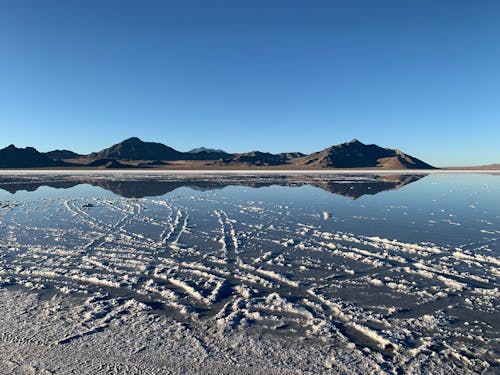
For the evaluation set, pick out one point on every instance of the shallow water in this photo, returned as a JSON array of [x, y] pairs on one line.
[[400, 268]]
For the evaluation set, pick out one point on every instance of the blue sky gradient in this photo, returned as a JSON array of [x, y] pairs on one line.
[[422, 76]]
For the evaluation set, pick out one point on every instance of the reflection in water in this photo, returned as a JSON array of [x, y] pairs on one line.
[[353, 186]]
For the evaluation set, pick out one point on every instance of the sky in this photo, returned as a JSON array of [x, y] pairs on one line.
[[275, 75]]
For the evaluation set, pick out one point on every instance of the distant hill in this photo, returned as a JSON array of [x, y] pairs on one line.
[[13, 157], [204, 149], [135, 153], [356, 154], [203, 153], [135, 149], [61, 154], [491, 167]]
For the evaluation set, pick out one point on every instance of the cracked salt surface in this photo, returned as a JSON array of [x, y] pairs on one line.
[[232, 279]]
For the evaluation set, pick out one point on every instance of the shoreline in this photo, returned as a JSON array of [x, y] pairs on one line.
[[6, 172]]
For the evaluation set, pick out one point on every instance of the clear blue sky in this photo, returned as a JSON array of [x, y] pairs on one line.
[[423, 76]]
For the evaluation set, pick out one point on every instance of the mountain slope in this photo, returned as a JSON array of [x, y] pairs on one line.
[[108, 163], [356, 154]]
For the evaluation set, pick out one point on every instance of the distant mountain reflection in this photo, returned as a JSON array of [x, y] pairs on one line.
[[129, 186]]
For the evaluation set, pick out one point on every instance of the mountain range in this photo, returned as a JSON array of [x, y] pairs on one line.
[[135, 153]]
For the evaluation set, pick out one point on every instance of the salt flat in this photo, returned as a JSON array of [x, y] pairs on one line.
[[277, 279]]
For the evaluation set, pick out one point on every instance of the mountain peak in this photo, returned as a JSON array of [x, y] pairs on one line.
[[135, 140], [353, 142]]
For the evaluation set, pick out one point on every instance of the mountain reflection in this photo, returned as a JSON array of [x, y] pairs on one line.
[[352, 186]]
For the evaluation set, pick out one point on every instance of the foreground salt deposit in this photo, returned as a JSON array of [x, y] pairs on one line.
[[238, 281]]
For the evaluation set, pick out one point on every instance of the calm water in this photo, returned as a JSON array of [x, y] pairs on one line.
[[403, 265]]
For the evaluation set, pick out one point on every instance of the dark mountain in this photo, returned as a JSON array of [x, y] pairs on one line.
[[13, 157], [355, 154], [135, 149], [61, 154]]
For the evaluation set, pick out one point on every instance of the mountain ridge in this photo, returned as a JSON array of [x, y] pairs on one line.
[[135, 153]]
